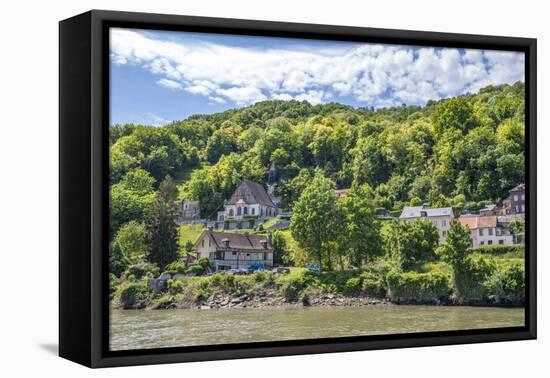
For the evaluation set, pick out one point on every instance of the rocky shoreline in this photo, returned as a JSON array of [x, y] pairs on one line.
[[270, 298]]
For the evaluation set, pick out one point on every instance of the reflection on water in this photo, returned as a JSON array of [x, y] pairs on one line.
[[137, 329]]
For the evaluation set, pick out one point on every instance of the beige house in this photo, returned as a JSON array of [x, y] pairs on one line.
[[440, 217], [234, 251], [485, 230]]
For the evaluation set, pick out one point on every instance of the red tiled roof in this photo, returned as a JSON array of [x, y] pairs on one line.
[[474, 222]]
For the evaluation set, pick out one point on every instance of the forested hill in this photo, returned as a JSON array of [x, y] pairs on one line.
[[460, 152]]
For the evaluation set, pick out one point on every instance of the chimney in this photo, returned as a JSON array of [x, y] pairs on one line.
[[225, 241], [263, 243]]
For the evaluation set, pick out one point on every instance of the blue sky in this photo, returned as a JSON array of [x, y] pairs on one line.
[[158, 76]]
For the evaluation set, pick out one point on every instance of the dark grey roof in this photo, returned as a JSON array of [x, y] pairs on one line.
[[415, 212], [237, 240], [251, 192], [518, 187]]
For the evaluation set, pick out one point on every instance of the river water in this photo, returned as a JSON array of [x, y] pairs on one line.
[[140, 329]]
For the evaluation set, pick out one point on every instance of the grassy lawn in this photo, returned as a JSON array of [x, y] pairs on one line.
[[270, 222], [189, 232]]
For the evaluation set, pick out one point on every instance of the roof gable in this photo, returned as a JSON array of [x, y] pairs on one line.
[[237, 240], [475, 221], [250, 193], [416, 212]]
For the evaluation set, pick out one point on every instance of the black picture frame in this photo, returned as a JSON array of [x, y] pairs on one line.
[[83, 194]]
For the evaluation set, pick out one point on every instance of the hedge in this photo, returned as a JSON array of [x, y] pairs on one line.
[[418, 287], [134, 295], [497, 250], [507, 285]]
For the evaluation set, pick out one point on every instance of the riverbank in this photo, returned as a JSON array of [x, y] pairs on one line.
[[430, 284]]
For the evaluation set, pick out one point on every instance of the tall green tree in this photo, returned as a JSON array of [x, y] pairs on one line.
[[316, 220], [412, 242], [162, 226], [455, 249], [360, 240], [133, 241]]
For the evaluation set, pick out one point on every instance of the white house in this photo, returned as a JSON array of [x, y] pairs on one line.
[[485, 230], [441, 217], [233, 251], [250, 199]]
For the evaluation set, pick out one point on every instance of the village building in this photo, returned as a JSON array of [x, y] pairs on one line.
[[489, 210], [515, 202], [188, 210], [250, 199], [486, 230], [440, 217], [234, 251]]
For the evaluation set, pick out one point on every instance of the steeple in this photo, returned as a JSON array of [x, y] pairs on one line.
[[272, 175]]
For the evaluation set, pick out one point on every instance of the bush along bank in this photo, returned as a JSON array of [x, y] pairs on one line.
[[485, 283]]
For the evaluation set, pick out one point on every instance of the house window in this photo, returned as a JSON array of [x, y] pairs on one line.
[[481, 232], [262, 211], [202, 243], [523, 197], [231, 213], [490, 242], [245, 210], [444, 233], [253, 211], [501, 242], [490, 232], [481, 242], [239, 211], [248, 254], [515, 197], [444, 223], [234, 253], [523, 208], [209, 242]]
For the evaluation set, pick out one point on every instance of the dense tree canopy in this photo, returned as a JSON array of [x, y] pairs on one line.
[[461, 152]]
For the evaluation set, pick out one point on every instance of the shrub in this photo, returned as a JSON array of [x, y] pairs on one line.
[[204, 262], [498, 250], [468, 281], [113, 282], [418, 287], [165, 301], [260, 276], [175, 267], [134, 295], [195, 270], [175, 286], [352, 286], [373, 285], [507, 284], [290, 290], [140, 270]]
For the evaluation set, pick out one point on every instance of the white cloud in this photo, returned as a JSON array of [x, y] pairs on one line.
[[371, 74], [155, 120], [170, 84]]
